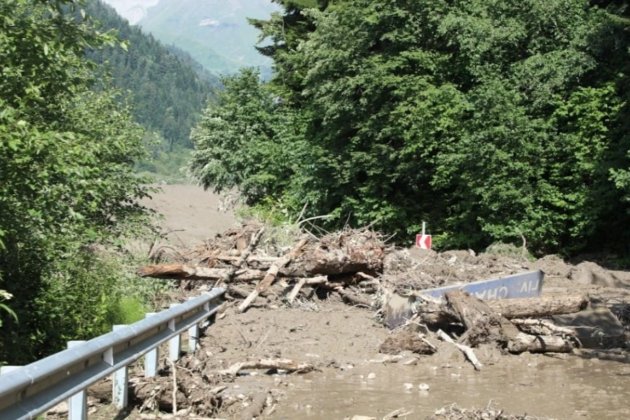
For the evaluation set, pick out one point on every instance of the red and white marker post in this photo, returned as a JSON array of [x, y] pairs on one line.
[[423, 241]]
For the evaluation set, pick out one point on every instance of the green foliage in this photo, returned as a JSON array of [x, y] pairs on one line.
[[128, 310], [67, 181], [247, 139]]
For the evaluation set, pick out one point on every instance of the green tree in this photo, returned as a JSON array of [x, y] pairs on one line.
[[247, 139], [66, 172]]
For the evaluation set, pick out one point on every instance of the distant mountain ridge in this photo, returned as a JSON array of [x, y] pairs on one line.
[[214, 32]]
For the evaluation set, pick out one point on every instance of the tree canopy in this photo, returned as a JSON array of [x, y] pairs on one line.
[[492, 120]]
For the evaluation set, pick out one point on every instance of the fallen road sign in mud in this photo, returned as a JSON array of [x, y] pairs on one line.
[[516, 286]]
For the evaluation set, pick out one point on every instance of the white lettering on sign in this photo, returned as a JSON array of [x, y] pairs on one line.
[[529, 286], [501, 292]]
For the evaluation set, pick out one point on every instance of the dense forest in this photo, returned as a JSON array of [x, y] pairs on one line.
[[501, 120], [168, 88]]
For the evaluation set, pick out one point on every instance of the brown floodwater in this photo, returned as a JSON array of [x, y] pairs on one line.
[[538, 385]]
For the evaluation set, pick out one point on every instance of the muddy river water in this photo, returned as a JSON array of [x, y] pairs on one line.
[[537, 385]]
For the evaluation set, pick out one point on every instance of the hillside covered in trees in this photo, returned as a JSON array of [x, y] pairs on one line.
[[501, 120], [168, 88]]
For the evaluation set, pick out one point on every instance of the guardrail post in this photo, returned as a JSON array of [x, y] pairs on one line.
[[175, 343], [120, 382], [77, 404], [151, 358], [193, 335], [210, 320]]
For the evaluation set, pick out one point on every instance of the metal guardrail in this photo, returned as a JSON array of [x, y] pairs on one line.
[[26, 392]]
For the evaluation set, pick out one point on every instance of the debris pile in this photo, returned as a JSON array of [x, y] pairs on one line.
[[358, 268], [453, 412]]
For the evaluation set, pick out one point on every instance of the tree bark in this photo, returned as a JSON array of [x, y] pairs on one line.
[[432, 313], [540, 344], [283, 364], [183, 271]]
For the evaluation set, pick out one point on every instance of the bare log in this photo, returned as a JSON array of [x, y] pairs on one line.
[[271, 275], [540, 344], [539, 307], [188, 272], [468, 352], [256, 407], [281, 364], [542, 327], [438, 313]]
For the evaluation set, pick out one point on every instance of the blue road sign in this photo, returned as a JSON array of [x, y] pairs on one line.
[[522, 285]]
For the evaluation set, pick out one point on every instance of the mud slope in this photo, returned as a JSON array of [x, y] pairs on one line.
[[189, 213]]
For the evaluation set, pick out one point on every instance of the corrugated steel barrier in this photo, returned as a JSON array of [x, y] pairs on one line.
[[26, 392]]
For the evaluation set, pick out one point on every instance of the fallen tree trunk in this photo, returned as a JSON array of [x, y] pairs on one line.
[[281, 364], [438, 313], [183, 271], [271, 275], [540, 344], [539, 307]]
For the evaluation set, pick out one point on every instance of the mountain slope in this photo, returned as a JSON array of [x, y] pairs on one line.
[[215, 32], [168, 88]]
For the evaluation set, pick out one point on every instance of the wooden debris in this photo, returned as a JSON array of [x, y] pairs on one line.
[[468, 351], [542, 327], [539, 307], [271, 275], [540, 344], [183, 271], [278, 364], [481, 322], [345, 252], [256, 407], [303, 282], [252, 244]]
